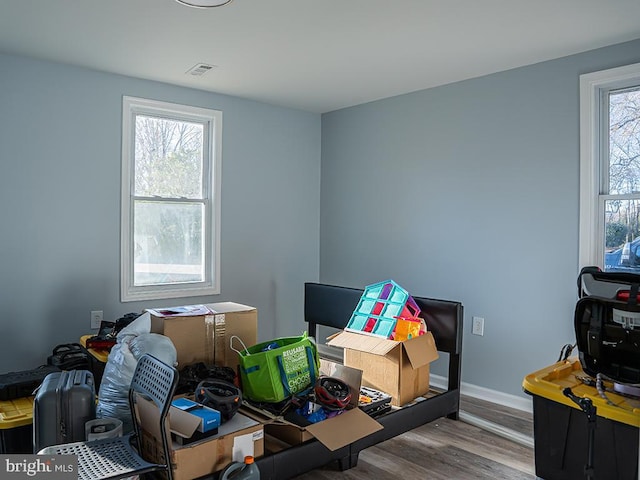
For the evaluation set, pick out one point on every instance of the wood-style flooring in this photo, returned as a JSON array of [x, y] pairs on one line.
[[447, 449]]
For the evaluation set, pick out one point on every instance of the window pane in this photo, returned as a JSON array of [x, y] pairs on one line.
[[622, 235], [168, 243], [624, 141], [168, 158]]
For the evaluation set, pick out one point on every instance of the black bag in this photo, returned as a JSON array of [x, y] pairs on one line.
[[63, 404], [108, 333], [70, 356], [22, 384], [607, 324]]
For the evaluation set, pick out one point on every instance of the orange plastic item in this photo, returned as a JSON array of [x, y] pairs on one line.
[[407, 328]]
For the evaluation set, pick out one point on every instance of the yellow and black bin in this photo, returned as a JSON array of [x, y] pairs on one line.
[[97, 360], [563, 426], [16, 423]]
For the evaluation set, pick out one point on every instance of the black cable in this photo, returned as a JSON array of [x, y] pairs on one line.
[[565, 351]]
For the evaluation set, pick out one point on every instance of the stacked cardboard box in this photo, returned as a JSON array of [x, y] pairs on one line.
[[202, 333]]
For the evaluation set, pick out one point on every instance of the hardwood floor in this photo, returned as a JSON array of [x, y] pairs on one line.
[[447, 449], [521, 422]]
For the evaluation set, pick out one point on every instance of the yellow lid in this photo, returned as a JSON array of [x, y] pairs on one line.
[[16, 413], [552, 380], [101, 355]]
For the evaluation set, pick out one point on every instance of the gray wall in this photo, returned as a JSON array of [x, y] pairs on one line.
[[468, 192], [60, 140]]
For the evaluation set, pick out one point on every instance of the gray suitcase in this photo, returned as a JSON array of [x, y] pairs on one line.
[[64, 402]]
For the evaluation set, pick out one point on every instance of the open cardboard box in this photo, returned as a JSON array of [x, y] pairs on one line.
[[187, 414], [235, 439], [400, 369], [334, 433], [202, 333]]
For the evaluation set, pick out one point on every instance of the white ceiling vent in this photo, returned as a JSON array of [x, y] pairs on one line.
[[200, 69]]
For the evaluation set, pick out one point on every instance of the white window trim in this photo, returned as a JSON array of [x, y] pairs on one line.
[[211, 286], [591, 243]]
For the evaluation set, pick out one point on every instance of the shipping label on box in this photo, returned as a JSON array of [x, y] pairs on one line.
[[400, 369], [201, 333]]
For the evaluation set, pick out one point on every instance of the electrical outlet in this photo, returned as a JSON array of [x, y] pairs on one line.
[[96, 318], [477, 327]]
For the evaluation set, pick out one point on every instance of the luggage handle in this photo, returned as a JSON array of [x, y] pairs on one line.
[[69, 350], [69, 347], [60, 388], [244, 347], [71, 354], [81, 377]]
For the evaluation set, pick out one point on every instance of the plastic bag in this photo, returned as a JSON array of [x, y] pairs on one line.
[[133, 342]]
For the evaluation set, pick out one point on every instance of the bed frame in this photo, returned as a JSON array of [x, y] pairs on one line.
[[332, 306]]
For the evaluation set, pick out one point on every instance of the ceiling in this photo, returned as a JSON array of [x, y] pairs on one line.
[[313, 55]]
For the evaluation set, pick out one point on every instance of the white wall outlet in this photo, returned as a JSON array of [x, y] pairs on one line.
[[96, 318], [477, 327]]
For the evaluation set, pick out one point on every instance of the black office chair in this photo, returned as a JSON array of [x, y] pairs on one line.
[[112, 458]]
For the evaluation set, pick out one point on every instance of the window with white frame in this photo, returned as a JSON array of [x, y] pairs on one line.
[[170, 219], [610, 169]]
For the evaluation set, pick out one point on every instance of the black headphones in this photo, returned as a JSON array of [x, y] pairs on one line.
[[219, 395]]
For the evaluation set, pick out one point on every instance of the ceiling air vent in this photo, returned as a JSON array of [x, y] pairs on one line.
[[200, 69]]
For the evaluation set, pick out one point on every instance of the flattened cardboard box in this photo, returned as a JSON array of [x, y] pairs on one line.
[[400, 369], [236, 438], [334, 433], [205, 337]]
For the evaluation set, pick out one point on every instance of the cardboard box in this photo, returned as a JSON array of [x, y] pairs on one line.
[[201, 333], [400, 369], [210, 419], [334, 433], [235, 439]]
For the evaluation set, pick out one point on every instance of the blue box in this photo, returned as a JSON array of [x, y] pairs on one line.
[[210, 418]]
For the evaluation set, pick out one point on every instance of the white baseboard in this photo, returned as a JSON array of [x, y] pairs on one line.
[[497, 429], [500, 398]]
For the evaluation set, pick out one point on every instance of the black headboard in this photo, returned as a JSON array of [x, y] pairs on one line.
[[332, 306]]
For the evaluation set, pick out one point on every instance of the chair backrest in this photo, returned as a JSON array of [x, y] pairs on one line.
[[157, 381]]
